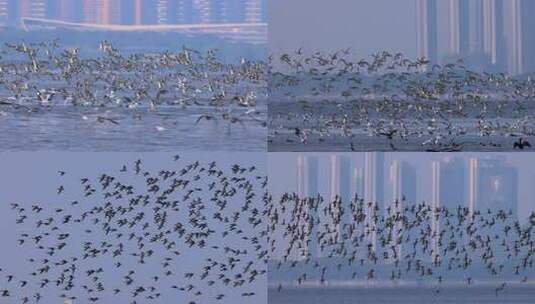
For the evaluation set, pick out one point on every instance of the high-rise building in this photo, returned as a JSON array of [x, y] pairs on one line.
[[32, 9], [264, 9], [217, 8], [340, 188], [459, 32], [333, 219], [463, 31], [234, 11], [345, 189], [149, 12], [402, 182], [475, 26], [527, 36], [176, 12], [448, 183], [111, 12], [185, 12], [253, 11], [9, 12], [307, 188], [402, 179], [91, 11], [128, 10], [473, 164], [493, 184], [137, 12], [427, 29], [358, 181], [162, 11], [4, 13], [520, 40], [307, 176], [435, 205], [204, 11], [70, 10], [447, 191], [374, 177], [493, 32], [373, 190], [513, 28], [531, 201], [52, 9]]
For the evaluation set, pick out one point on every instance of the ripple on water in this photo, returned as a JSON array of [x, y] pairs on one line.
[[167, 129]]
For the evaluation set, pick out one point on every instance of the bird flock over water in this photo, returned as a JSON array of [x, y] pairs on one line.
[[318, 101], [315, 240], [391, 102], [40, 77], [194, 231]]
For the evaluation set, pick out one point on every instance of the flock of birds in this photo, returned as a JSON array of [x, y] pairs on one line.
[[317, 240], [194, 232], [205, 234], [320, 99], [131, 233], [315, 99], [38, 77]]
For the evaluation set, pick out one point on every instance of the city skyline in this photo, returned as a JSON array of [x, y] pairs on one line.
[[473, 182], [490, 181], [134, 12], [490, 35]]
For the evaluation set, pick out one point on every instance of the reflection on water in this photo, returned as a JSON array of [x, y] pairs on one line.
[[167, 129]]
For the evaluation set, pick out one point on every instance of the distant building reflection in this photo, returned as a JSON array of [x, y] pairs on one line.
[[135, 12], [142, 15]]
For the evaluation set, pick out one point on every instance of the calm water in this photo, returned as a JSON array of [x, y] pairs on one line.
[[167, 129], [476, 295]]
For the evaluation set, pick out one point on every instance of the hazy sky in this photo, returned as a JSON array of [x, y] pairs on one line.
[[32, 178], [365, 25], [282, 172]]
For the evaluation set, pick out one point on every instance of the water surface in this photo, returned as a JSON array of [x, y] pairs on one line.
[[69, 128], [457, 295]]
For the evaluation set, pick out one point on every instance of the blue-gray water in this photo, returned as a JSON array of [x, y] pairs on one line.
[[70, 128], [405, 295]]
